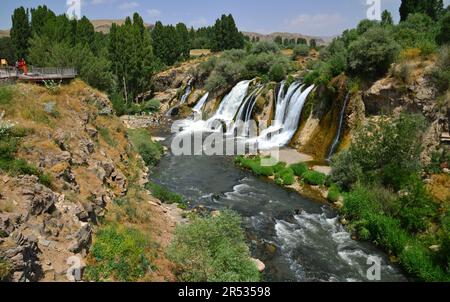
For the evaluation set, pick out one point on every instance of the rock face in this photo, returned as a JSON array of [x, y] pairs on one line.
[[390, 96], [85, 156]]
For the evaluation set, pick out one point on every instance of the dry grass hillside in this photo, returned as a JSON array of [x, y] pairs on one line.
[[88, 180]]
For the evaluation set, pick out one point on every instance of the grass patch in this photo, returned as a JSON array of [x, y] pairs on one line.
[[285, 177], [150, 151], [333, 193], [10, 140], [166, 196], [213, 249], [5, 269], [314, 178], [118, 254], [6, 95], [107, 137], [299, 169]]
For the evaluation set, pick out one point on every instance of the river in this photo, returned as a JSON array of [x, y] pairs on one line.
[[297, 238]]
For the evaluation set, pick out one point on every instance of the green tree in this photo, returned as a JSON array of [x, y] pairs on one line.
[[302, 41], [39, 16], [278, 40], [183, 35], [443, 36], [85, 33], [20, 32], [433, 8], [313, 44], [386, 18], [226, 34], [7, 50], [372, 53]]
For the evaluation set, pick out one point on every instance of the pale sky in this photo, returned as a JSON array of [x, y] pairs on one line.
[[318, 17]]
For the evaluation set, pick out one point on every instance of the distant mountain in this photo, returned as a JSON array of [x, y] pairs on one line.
[[285, 35], [4, 33], [104, 25]]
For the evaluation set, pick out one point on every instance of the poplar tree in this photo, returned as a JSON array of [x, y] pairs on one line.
[[20, 32]]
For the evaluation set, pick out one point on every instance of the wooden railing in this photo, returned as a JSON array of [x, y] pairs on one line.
[[38, 72]]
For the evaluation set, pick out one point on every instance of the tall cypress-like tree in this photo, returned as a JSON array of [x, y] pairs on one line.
[[226, 34], [432, 8], [131, 56], [386, 18], [20, 31], [39, 16], [183, 36], [85, 32]]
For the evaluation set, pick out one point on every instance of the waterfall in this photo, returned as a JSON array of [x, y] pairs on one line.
[[340, 128], [283, 101], [289, 125], [183, 100], [198, 108], [187, 93]]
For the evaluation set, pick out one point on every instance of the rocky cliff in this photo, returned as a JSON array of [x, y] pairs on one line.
[[75, 140]]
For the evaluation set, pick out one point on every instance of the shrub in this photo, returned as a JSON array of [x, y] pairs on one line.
[[150, 151], [152, 106], [118, 104], [333, 193], [443, 36], [5, 269], [387, 152], [415, 207], [441, 73], [6, 94], [285, 177], [164, 195], [212, 249], [372, 53], [119, 254], [299, 169], [300, 51], [107, 137], [265, 46], [417, 261], [277, 73], [314, 178]]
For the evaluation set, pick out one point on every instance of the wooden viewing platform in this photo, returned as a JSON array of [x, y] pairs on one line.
[[37, 74]]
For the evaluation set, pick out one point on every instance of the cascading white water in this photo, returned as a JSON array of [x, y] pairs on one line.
[[290, 122], [198, 108], [340, 128], [283, 102], [226, 112], [230, 104], [187, 93]]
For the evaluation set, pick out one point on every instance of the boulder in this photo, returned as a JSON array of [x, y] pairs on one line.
[[259, 264]]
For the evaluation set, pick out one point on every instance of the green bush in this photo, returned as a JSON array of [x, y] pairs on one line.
[[417, 261], [118, 254], [443, 36], [441, 73], [265, 46], [333, 193], [277, 73], [150, 151], [118, 103], [387, 152], [314, 178], [212, 249], [372, 53], [164, 195], [152, 106], [300, 51], [285, 177], [5, 270], [299, 169], [6, 94]]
